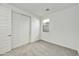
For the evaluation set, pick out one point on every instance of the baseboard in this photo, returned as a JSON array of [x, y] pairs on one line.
[[61, 45]]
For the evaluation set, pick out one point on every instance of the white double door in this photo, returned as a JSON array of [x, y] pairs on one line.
[[20, 29], [14, 30]]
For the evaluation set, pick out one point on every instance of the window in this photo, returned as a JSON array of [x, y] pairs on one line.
[[46, 25]]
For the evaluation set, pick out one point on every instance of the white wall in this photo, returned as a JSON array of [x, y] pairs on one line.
[[35, 29], [64, 28], [5, 29]]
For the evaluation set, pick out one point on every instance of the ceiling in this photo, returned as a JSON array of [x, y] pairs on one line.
[[40, 8]]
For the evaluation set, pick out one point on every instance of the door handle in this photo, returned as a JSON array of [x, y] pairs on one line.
[[10, 35]]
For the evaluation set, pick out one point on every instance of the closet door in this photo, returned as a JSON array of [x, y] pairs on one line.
[[20, 29], [5, 29]]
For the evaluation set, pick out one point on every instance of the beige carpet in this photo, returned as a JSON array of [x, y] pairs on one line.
[[41, 48]]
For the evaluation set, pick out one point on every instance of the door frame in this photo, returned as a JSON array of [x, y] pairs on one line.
[[12, 11]]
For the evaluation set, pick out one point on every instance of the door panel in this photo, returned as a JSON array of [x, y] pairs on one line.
[[5, 29], [20, 32]]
